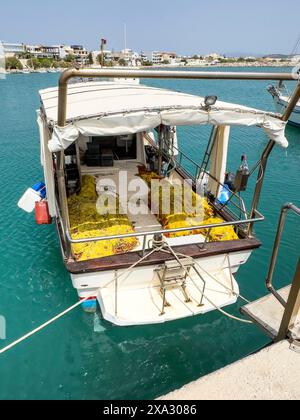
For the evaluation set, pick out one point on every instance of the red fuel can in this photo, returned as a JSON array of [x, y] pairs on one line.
[[42, 215]]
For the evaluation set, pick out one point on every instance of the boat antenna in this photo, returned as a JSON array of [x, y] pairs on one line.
[[296, 47], [125, 36]]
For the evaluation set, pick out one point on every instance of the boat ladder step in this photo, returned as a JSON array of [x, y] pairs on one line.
[[174, 274]]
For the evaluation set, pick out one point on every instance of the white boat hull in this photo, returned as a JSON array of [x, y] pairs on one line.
[[139, 298], [281, 103]]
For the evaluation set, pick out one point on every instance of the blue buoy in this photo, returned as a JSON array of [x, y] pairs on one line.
[[40, 187], [224, 196]]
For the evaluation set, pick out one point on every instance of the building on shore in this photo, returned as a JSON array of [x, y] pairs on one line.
[[12, 49], [80, 54], [2, 61], [58, 52], [107, 56], [159, 57], [44, 51], [195, 62], [128, 57]]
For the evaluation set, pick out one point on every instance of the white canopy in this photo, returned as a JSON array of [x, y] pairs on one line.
[[107, 108]]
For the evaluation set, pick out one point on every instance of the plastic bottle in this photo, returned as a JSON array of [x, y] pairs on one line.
[[242, 176]]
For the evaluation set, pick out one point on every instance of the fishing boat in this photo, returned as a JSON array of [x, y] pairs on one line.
[[147, 233], [281, 98]]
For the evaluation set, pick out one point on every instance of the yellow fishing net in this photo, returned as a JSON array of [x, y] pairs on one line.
[[87, 222], [186, 209]]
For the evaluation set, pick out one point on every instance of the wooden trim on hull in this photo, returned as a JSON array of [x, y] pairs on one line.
[[123, 261]]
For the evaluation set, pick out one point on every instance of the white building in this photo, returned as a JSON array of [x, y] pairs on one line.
[[44, 51], [12, 49], [213, 57], [2, 61], [131, 57], [107, 54], [195, 62], [80, 53], [159, 57], [58, 52], [156, 57]]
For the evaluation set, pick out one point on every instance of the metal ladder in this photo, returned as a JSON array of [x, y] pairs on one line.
[[207, 155], [173, 274], [292, 306]]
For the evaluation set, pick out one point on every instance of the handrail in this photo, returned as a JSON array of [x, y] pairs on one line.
[[241, 205], [154, 74], [281, 224], [260, 218], [198, 172]]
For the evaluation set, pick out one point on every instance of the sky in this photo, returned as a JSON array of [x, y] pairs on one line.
[[182, 26]]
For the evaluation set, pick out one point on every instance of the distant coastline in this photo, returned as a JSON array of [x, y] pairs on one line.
[[162, 67]]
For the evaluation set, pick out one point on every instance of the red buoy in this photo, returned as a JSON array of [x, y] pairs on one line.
[[42, 215]]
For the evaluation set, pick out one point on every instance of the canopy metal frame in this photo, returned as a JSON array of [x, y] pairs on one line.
[[154, 74]]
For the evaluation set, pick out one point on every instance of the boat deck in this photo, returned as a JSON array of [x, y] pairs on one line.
[[144, 221], [191, 245], [141, 303]]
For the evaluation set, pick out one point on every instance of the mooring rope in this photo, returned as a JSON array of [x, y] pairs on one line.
[[239, 295], [76, 305], [71, 308], [244, 321]]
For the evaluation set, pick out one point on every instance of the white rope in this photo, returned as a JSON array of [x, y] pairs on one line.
[[244, 321], [70, 309], [41, 327], [216, 280], [76, 305]]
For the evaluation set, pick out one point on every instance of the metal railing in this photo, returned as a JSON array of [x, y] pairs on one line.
[[198, 180], [197, 176], [281, 224], [237, 220], [145, 235], [292, 306]]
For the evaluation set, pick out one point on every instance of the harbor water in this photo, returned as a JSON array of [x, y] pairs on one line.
[[81, 356]]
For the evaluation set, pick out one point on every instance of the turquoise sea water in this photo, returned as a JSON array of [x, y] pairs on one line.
[[77, 358]]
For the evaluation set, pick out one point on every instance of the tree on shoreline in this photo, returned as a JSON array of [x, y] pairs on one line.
[[34, 63], [122, 62], [90, 59], [70, 58], [13, 63]]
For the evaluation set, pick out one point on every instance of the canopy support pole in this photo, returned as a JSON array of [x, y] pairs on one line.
[[62, 193], [154, 74], [264, 160], [260, 181], [160, 150]]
